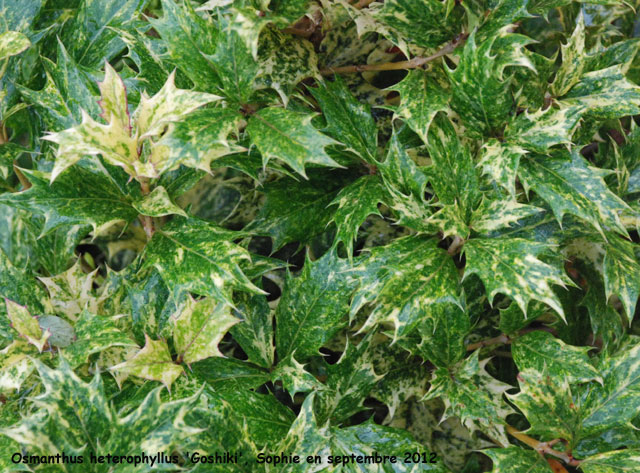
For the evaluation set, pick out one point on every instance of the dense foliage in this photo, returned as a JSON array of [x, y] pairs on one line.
[[320, 227]]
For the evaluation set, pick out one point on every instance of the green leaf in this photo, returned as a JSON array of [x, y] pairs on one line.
[[12, 43], [573, 60], [355, 203], [20, 285], [199, 139], [500, 161], [78, 197], [471, 394], [612, 462], [284, 60], [480, 91], [89, 33], [295, 379], [15, 365], [492, 215], [157, 204], [542, 351], [569, 185], [348, 383], [229, 374], [547, 403], [622, 273], [510, 266], [153, 362], [312, 307], [405, 280], [517, 460], [196, 256], [26, 325], [199, 327], [443, 333], [290, 137], [94, 334], [348, 120], [424, 23], [615, 402], [255, 333], [421, 98]]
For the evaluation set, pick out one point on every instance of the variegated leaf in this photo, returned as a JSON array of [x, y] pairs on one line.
[[198, 328], [26, 325]]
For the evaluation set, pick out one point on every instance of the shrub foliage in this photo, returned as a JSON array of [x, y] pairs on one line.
[[320, 227]]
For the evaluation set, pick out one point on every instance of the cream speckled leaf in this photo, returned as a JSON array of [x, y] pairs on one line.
[[421, 98], [480, 90], [198, 139], [541, 351], [95, 333], [169, 105], [197, 256], [619, 461], [615, 402], [355, 203], [548, 404], [312, 306], [349, 381], [15, 365], [622, 273], [76, 197], [26, 325], [110, 141], [71, 291], [157, 204], [605, 94], [424, 23], [500, 161], [405, 280], [471, 394], [113, 98], [517, 460], [295, 379], [152, 362], [290, 137], [348, 120], [545, 128], [12, 43], [510, 266], [573, 60], [255, 333], [284, 61], [570, 185], [492, 215], [198, 328]]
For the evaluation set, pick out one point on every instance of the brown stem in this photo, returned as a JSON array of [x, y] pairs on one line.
[[146, 221], [543, 448], [363, 3], [455, 246], [394, 66], [499, 340]]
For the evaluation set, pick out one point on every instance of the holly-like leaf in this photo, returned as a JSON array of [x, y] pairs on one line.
[[199, 139], [26, 325], [15, 365], [511, 266], [421, 98], [404, 280], [517, 460], [196, 256], [500, 161], [471, 394], [94, 334], [541, 351], [612, 462], [199, 327], [12, 43], [348, 383], [492, 215], [622, 273], [153, 362], [569, 185], [290, 137], [355, 203], [295, 379], [76, 197], [348, 120], [157, 204], [312, 307], [255, 333]]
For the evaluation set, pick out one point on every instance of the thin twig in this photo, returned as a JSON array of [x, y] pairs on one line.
[[363, 3], [401, 65], [146, 221], [543, 448]]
